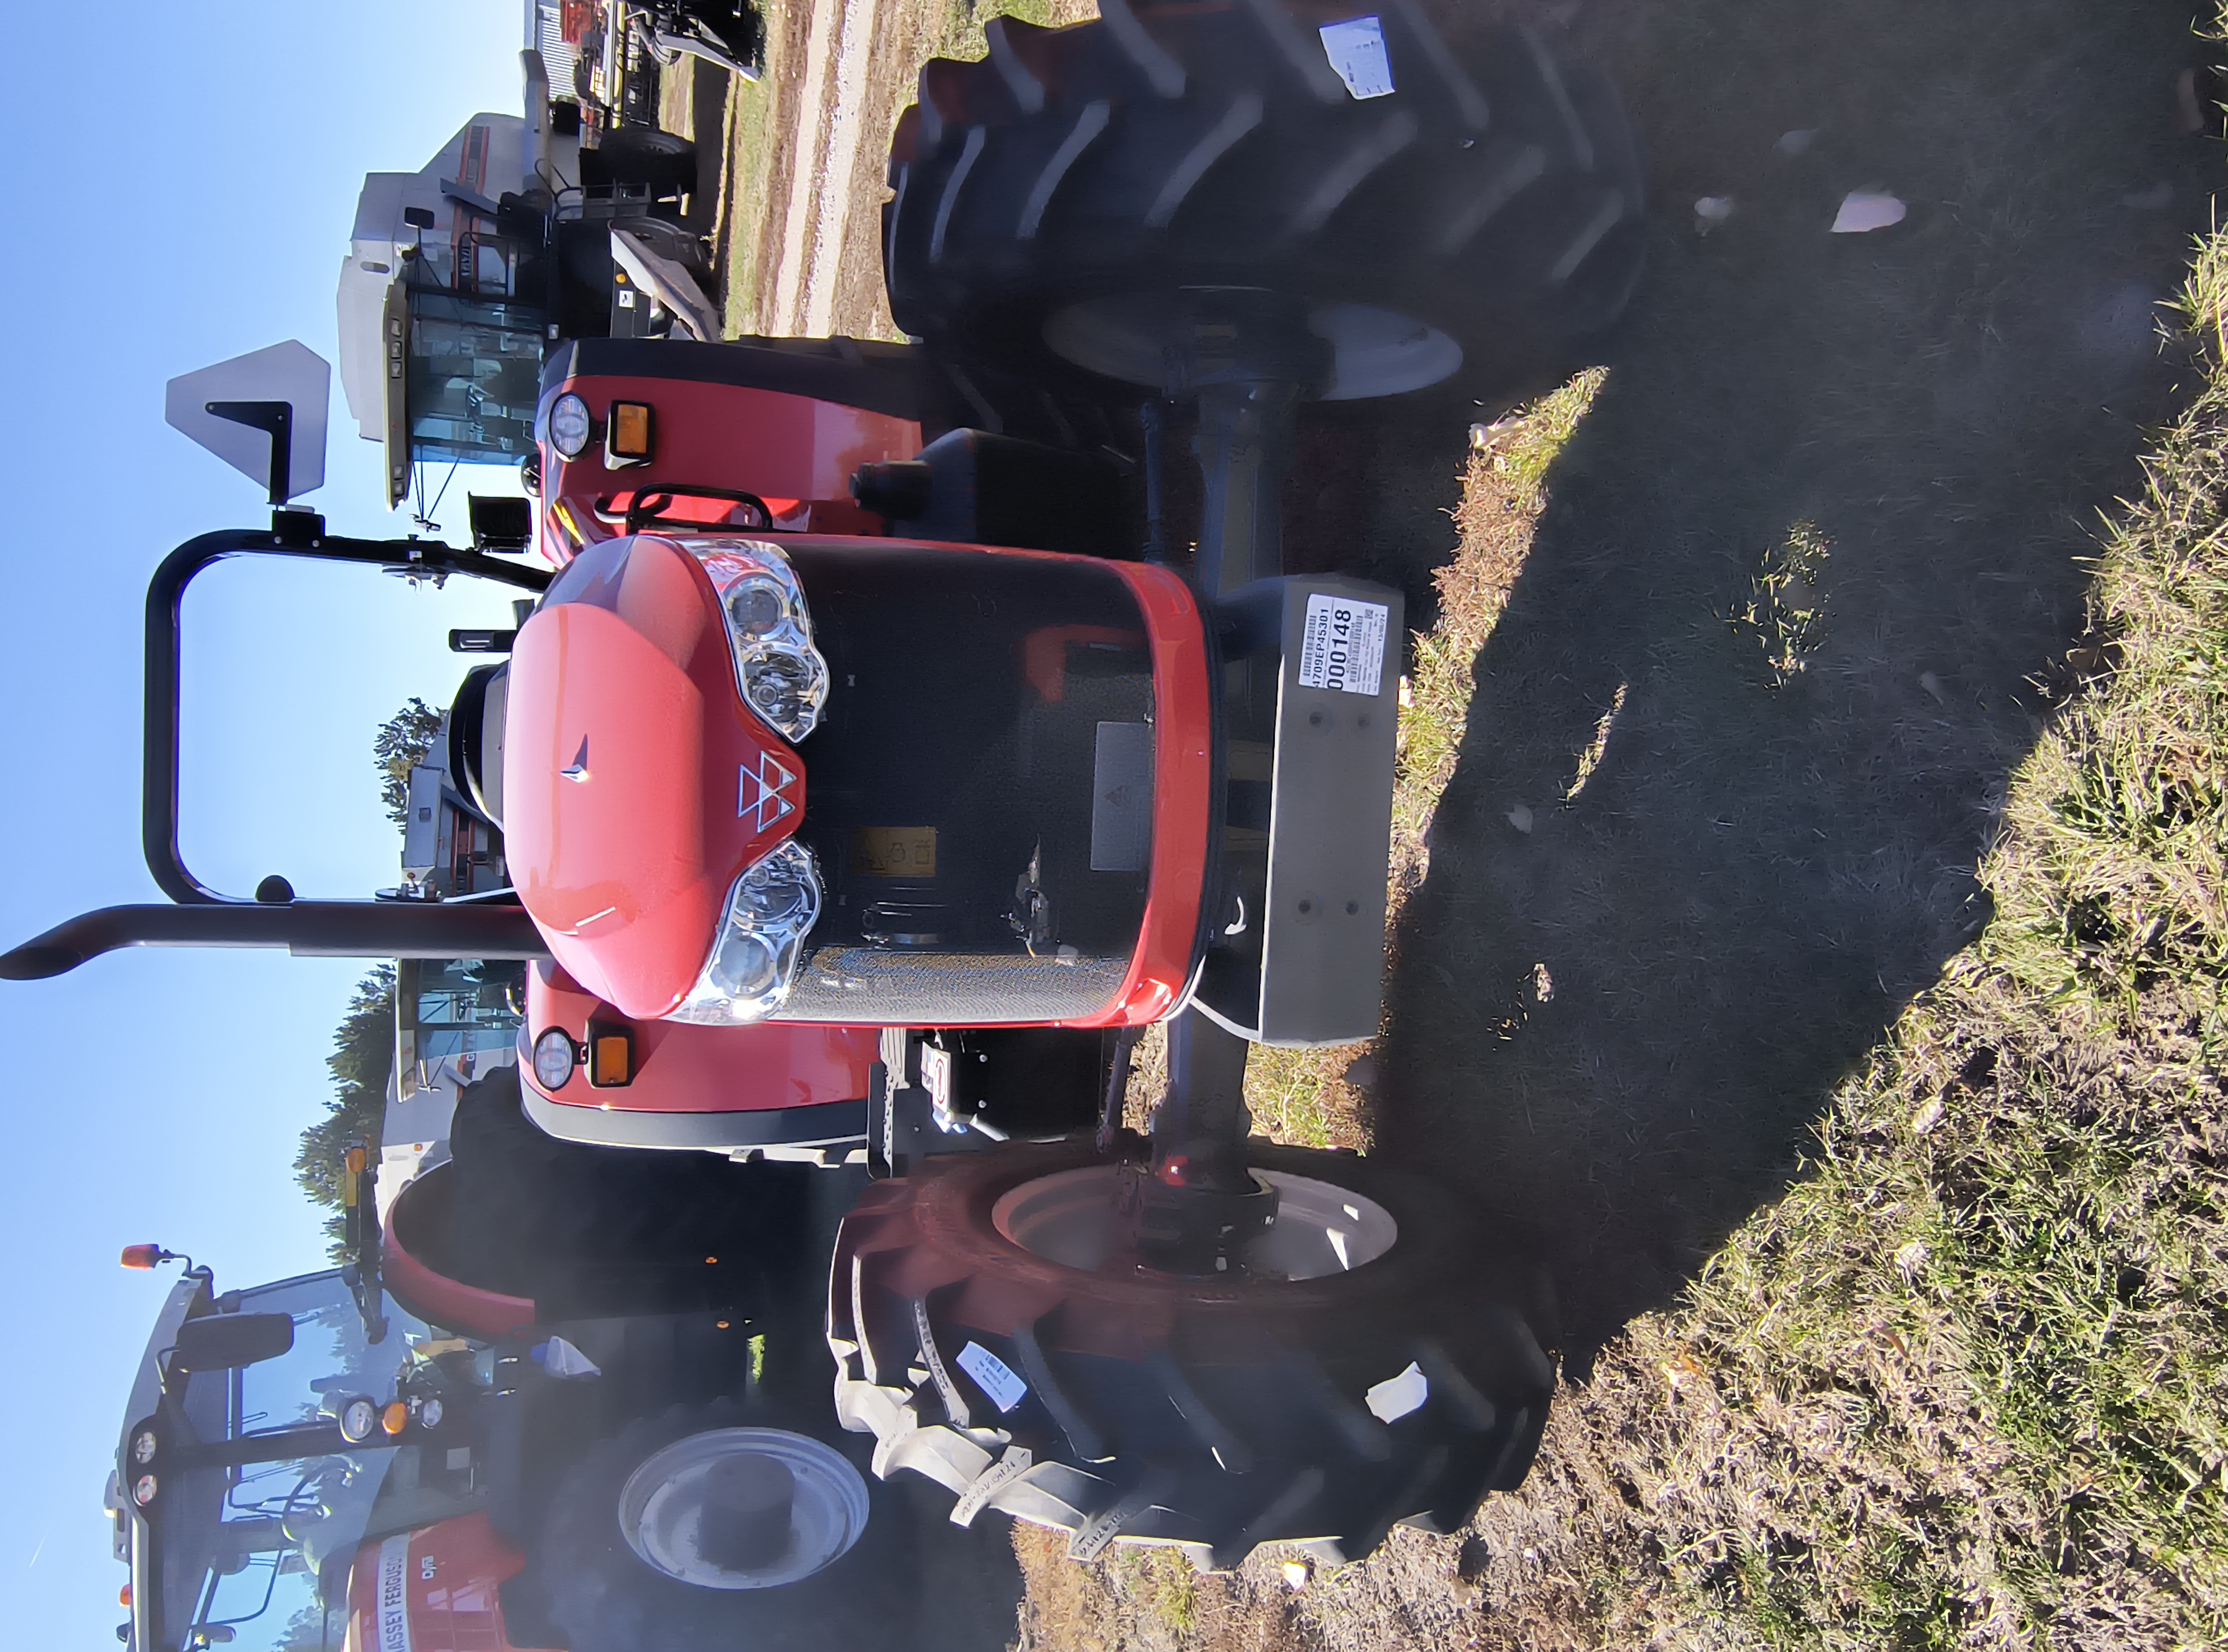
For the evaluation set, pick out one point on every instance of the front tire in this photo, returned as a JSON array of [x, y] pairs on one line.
[[1476, 230], [1124, 1405]]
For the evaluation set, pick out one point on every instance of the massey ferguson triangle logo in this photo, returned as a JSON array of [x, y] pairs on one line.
[[758, 798]]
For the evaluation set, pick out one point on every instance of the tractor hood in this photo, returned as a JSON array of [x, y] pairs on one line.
[[637, 785]]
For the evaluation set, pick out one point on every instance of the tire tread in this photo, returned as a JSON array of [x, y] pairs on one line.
[[1491, 195], [1252, 1416]]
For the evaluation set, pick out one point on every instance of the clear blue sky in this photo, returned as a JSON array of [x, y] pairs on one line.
[[186, 180]]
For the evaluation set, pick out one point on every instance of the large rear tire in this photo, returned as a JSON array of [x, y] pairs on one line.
[[1122, 1404], [1476, 229], [642, 158]]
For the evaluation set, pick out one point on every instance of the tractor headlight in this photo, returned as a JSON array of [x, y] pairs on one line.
[[555, 1059], [761, 941], [359, 1417], [569, 426], [782, 676]]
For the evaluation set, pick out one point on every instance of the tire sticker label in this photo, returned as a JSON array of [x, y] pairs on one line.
[[1343, 645], [394, 1603], [1356, 50], [992, 1375], [1395, 1397]]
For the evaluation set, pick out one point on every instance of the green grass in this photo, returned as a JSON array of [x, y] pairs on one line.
[[1160, 1582], [1967, 1382], [750, 151], [1785, 613], [1299, 1096], [960, 31]]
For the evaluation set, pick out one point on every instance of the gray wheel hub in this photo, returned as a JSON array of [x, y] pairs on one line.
[[1075, 1218], [1374, 351], [681, 1512]]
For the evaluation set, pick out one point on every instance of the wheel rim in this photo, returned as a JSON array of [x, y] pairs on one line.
[[1374, 351], [1074, 1218], [662, 1508]]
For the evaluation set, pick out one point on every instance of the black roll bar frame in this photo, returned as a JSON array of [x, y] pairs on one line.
[[200, 916]]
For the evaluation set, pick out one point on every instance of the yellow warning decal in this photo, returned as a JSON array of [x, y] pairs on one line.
[[893, 852]]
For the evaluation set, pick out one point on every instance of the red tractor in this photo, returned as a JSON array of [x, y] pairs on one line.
[[864, 797], [620, 1440]]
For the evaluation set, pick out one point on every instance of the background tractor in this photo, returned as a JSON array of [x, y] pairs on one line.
[[636, 1454]]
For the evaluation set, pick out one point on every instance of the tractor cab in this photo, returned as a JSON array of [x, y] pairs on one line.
[[270, 1432], [461, 276], [443, 305]]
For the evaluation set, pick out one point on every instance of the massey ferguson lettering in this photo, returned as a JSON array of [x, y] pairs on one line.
[[394, 1604]]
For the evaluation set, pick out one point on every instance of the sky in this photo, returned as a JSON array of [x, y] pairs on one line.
[[190, 185]]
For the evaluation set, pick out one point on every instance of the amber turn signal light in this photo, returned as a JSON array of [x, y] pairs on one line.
[[395, 1417], [142, 1256], [626, 433], [610, 1057]]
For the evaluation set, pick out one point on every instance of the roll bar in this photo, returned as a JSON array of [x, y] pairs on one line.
[[200, 916]]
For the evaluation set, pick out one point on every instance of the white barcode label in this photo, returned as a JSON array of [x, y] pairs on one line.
[[992, 1375], [1343, 645], [1356, 50]]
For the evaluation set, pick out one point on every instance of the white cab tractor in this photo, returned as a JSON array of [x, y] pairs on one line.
[[524, 230]]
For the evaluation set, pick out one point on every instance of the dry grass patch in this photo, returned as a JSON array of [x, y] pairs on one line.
[[1965, 1384], [961, 32], [1784, 616], [1322, 1097], [1147, 1600], [747, 200], [1503, 490]]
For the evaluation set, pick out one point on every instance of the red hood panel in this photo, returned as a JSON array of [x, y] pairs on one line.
[[623, 744]]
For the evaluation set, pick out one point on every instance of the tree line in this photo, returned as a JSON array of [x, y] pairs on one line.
[[363, 1044]]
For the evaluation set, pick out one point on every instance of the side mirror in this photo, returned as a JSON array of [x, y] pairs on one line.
[[227, 1342], [418, 217], [501, 525], [262, 413]]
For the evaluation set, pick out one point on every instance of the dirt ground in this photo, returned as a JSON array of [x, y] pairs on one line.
[[1760, 873], [1788, 615], [799, 218]]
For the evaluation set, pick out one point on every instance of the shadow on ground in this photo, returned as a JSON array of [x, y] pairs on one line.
[[1619, 1026]]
